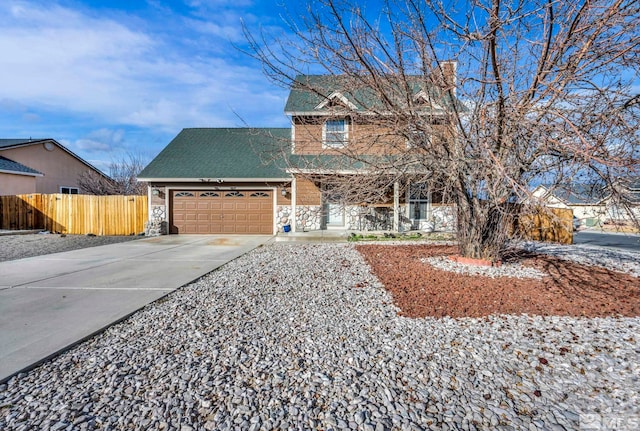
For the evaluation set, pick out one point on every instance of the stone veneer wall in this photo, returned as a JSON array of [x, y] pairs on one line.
[[308, 217], [283, 216], [157, 224]]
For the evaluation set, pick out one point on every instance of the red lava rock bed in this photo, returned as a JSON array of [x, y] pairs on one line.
[[570, 289]]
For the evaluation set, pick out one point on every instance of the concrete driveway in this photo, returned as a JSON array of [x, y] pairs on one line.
[[49, 303]]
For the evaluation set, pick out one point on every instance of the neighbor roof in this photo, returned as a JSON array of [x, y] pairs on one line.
[[577, 194], [310, 94], [9, 166], [220, 153], [6, 144]]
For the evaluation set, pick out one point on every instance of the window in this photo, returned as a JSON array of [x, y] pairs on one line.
[[69, 190], [234, 195], [209, 195], [335, 133], [419, 202], [184, 195], [418, 138], [259, 195]]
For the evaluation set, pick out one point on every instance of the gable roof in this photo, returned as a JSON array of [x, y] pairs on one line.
[[209, 154], [11, 167], [313, 94], [6, 144], [576, 194]]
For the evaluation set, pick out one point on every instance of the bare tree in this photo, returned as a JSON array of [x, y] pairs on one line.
[[546, 91], [122, 179]]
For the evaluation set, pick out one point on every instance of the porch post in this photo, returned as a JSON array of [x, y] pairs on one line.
[[294, 210], [396, 206]]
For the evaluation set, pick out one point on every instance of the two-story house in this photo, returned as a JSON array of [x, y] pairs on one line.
[[345, 163]]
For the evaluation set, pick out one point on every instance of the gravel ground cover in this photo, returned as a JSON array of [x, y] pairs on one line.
[[20, 246], [295, 336]]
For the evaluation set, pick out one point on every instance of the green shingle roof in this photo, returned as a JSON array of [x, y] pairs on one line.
[[220, 153], [11, 166], [309, 91]]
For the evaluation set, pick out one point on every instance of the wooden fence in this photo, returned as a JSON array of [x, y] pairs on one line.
[[547, 224], [75, 214]]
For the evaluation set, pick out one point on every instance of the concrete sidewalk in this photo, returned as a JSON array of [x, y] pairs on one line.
[[49, 303]]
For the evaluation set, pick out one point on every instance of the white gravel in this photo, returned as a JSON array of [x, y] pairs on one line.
[[295, 336]]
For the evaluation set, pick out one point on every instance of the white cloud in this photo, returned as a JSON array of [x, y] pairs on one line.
[[102, 140], [76, 62]]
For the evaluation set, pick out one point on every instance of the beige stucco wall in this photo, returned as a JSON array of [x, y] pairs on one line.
[[60, 168], [11, 184]]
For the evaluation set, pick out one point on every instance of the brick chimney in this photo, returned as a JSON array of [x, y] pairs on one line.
[[448, 70]]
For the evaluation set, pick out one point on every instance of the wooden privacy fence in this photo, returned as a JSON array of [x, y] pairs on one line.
[[75, 214], [547, 224]]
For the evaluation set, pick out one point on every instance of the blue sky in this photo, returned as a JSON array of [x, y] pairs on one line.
[[106, 78]]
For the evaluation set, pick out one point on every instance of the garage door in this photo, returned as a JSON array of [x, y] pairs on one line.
[[227, 211]]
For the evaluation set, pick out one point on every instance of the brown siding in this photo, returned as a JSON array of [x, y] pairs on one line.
[[307, 193], [283, 200], [363, 138]]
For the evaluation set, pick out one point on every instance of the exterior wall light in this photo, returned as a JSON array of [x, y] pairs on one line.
[[283, 192]]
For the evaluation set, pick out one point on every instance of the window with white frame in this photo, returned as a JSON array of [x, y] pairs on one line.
[[69, 190], [419, 201], [335, 133]]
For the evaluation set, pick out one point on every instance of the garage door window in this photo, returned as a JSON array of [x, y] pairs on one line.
[[209, 195], [184, 195], [259, 195], [234, 195]]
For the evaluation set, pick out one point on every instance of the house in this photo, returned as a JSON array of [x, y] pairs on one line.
[[39, 166], [16, 178], [626, 207], [257, 181], [588, 202]]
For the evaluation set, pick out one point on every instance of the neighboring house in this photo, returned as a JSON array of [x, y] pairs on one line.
[[619, 212], [16, 178], [589, 203], [39, 166], [234, 180]]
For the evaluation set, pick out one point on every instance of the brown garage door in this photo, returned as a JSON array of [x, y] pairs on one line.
[[226, 211]]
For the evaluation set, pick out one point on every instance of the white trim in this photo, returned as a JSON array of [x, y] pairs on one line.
[[293, 136], [77, 189], [425, 97], [170, 189], [345, 134], [294, 198], [149, 197], [336, 95], [28, 174], [274, 215], [396, 206]]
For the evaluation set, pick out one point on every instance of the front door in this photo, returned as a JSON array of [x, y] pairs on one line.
[[335, 214]]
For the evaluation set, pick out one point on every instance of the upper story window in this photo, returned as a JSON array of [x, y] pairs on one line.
[[417, 138], [335, 133], [69, 190]]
